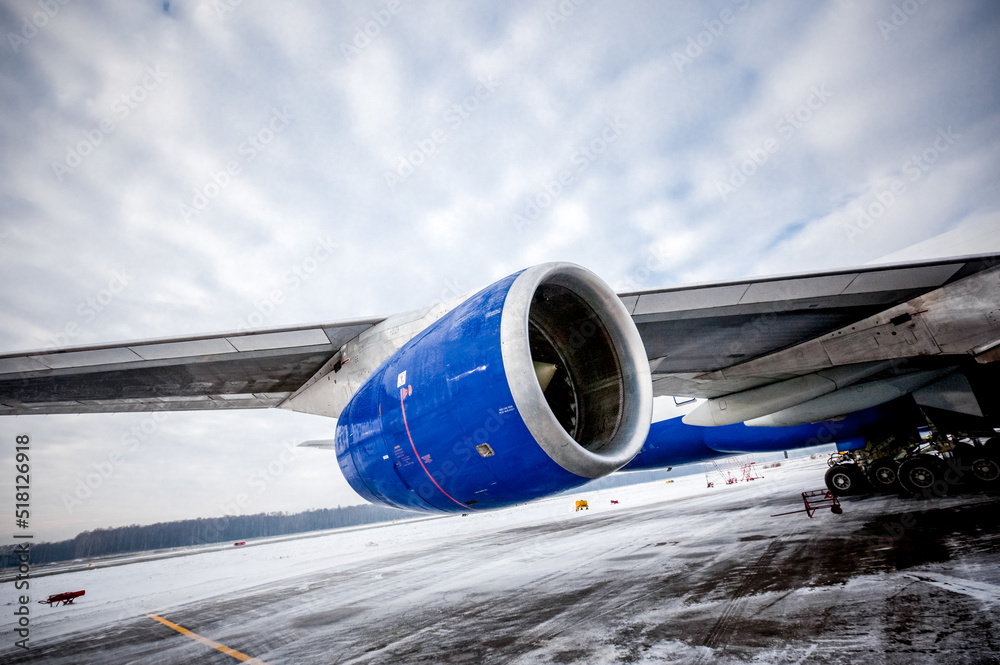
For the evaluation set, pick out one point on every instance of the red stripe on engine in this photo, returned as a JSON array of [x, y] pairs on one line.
[[402, 393]]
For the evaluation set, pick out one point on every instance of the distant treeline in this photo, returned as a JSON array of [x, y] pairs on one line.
[[185, 533]]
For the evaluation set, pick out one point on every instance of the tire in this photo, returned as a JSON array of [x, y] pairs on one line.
[[980, 465], [846, 480], [883, 475], [924, 475], [985, 469]]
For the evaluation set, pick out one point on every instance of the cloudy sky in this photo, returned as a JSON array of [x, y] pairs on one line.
[[167, 167]]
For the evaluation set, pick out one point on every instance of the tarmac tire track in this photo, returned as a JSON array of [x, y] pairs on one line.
[[723, 627]]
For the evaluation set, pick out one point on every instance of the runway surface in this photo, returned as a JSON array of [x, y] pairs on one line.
[[673, 573]]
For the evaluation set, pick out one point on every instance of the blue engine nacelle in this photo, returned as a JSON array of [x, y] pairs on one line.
[[536, 384]]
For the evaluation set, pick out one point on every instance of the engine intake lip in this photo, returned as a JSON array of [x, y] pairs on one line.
[[620, 430]]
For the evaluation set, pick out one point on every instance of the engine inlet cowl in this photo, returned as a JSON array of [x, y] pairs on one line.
[[563, 323]]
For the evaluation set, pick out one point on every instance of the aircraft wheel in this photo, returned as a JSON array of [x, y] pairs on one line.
[[846, 480], [923, 474], [977, 465], [986, 469], [883, 475]]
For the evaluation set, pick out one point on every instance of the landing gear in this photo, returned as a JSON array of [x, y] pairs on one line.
[[965, 463], [923, 474], [883, 475], [846, 480]]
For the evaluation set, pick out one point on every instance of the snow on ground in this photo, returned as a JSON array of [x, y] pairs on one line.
[[674, 572], [118, 592]]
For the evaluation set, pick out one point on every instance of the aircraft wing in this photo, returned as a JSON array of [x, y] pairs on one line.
[[701, 341], [720, 339], [241, 370]]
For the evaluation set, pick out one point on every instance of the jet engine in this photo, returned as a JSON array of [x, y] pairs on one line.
[[534, 385]]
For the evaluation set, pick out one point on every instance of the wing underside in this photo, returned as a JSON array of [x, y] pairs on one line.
[[715, 340], [243, 370]]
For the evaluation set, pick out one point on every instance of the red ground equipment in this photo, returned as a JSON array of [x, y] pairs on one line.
[[749, 470], [732, 471], [816, 499], [63, 598]]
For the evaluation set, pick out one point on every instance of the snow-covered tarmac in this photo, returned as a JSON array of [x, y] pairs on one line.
[[674, 572]]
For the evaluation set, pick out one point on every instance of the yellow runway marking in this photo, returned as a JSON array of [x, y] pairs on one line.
[[207, 642]]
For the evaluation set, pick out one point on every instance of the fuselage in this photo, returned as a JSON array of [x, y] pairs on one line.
[[671, 442]]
